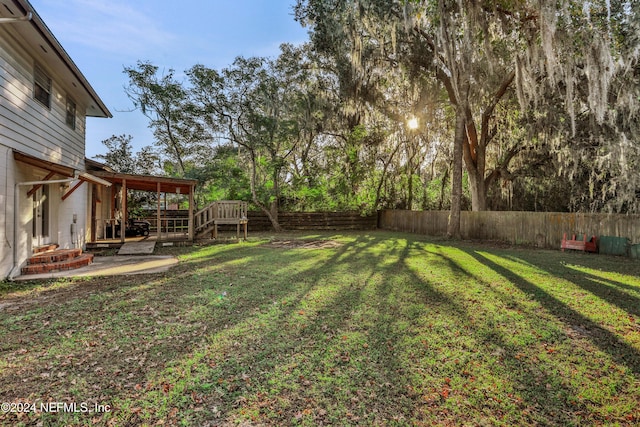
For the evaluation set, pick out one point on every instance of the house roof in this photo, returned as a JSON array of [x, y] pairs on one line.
[[57, 168], [141, 182], [148, 182], [95, 165], [39, 41]]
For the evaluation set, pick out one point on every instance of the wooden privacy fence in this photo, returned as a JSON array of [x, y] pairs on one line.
[[542, 229], [258, 221]]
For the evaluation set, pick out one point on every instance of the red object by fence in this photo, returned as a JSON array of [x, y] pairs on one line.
[[581, 245]]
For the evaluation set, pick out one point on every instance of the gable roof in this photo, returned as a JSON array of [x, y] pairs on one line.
[[40, 42]]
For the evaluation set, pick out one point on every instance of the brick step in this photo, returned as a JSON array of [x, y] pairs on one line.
[[68, 264], [54, 256], [45, 248]]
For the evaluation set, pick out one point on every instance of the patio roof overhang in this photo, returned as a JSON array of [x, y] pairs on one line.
[[55, 168], [149, 183]]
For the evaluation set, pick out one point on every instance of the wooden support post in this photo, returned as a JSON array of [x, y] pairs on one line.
[[123, 221], [112, 214], [93, 224], [158, 223], [191, 224]]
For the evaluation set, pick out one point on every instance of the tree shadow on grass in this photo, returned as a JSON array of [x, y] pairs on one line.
[[393, 359], [605, 288], [539, 388], [343, 379], [123, 334], [401, 377], [354, 374], [272, 337], [614, 283], [314, 348], [329, 337], [608, 342], [541, 394]]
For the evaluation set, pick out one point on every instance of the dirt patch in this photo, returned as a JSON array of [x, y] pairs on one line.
[[303, 244]]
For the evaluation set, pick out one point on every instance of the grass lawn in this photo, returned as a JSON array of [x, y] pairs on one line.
[[370, 328]]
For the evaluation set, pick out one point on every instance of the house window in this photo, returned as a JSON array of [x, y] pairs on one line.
[[71, 113], [41, 86]]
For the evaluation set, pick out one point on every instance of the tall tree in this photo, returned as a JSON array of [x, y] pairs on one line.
[[483, 53], [586, 57], [121, 157], [388, 34], [164, 100], [256, 104]]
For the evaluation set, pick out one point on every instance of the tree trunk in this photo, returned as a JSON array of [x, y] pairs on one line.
[[410, 190], [275, 204], [384, 175], [453, 228], [273, 216], [445, 177], [478, 189], [475, 147], [269, 211], [411, 171]]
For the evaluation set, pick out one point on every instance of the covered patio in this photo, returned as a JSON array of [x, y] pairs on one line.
[[111, 219]]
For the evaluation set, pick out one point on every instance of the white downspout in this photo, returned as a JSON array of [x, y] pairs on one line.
[[16, 221]]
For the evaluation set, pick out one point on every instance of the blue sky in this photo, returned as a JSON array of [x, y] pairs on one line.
[[102, 37]]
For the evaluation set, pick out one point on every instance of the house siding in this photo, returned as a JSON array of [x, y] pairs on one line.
[[30, 127], [27, 125], [6, 211]]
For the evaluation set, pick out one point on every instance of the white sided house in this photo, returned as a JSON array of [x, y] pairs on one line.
[[44, 102]]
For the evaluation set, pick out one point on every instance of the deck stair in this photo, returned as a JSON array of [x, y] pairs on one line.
[[222, 212], [51, 259]]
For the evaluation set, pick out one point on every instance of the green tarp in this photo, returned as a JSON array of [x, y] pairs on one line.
[[612, 245]]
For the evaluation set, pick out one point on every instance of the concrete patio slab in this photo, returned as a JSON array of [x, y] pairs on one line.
[[144, 247], [112, 266]]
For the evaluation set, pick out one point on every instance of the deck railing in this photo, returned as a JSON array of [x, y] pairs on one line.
[[221, 212]]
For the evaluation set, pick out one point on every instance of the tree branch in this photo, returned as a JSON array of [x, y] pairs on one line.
[[486, 136]]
